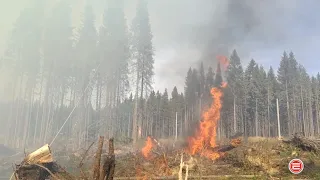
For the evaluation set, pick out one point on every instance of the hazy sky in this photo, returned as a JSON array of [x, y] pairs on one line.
[[189, 31]]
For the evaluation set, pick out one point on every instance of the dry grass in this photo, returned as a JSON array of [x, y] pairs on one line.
[[271, 156]]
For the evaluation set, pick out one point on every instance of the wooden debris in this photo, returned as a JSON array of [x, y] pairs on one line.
[[224, 148], [96, 165], [39, 165], [304, 143], [40, 156], [108, 167], [193, 177]]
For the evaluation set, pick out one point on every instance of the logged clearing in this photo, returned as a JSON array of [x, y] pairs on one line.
[[259, 158]]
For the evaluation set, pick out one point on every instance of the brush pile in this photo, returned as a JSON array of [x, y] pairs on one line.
[[306, 144]]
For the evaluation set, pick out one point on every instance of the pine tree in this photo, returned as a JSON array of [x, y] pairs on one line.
[[23, 58], [142, 51], [272, 95], [208, 85], [175, 108], [152, 113], [158, 123], [202, 84], [287, 75], [189, 89], [235, 82], [165, 115], [57, 62], [262, 103], [251, 91]]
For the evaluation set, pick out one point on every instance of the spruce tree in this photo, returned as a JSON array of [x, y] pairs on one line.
[[142, 52], [234, 76], [208, 85], [272, 95], [142, 47]]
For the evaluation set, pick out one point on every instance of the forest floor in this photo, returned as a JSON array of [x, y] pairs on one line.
[[260, 158]]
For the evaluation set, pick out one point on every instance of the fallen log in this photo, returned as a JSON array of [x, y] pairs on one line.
[[224, 148]]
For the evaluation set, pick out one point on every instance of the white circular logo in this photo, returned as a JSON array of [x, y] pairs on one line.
[[296, 166]]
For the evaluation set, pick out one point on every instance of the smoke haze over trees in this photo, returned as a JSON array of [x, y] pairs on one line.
[[104, 69]]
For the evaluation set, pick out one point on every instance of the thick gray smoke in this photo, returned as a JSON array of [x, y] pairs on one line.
[[187, 32], [191, 31]]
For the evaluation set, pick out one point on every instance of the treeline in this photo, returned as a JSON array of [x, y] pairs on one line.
[[249, 102], [103, 78]]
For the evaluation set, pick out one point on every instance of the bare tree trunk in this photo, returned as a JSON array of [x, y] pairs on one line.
[[278, 117], [302, 109], [294, 122], [97, 161], [47, 124], [268, 115], [288, 110], [10, 119], [310, 114], [234, 115], [31, 104], [256, 118], [16, 134], [245, 129], [317, 109], [136, 115], [38, 109]]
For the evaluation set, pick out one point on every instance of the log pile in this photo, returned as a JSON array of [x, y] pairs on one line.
[[306, 144]]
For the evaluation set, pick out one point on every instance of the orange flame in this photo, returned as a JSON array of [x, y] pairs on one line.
[[147, 148], [206, 135], [224, 62]]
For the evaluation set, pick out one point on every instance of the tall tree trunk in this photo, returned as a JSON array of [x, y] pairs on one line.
[[256, 118], [234, 115], [27, 114], [302, 109], [294, 121], [16, 134], [10, 118], [288, 110], [38, 109], [268, 113], [135, 115], [310, 114]]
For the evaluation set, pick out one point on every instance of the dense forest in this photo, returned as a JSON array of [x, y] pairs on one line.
[[83, 82]]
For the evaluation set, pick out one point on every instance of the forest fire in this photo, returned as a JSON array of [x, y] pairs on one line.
[[204, 140], [147, 148], [206, 135]]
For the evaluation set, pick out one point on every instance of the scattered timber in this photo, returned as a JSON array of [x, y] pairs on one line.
[[306, 144]]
